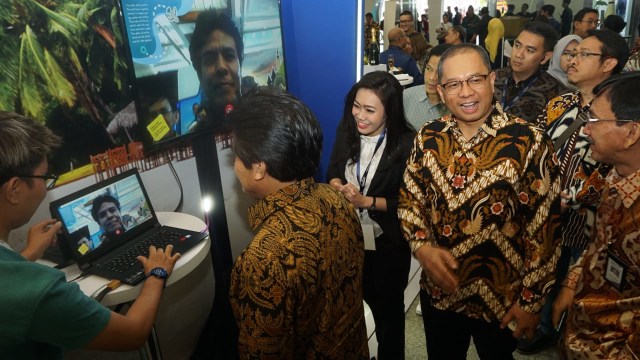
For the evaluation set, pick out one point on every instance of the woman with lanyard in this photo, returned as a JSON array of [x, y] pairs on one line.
[[367, 164]]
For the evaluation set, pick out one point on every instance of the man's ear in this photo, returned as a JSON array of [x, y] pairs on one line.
[[546, 58], [259, 170], [633, 136], [11, 190], [609, 64]]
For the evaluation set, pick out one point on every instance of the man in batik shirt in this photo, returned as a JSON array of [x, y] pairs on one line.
[[477, 207], [595, 59], [296, 291], [602, 291]]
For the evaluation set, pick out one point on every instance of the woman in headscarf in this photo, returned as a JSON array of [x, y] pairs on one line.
[[560, 60], [493, 42]]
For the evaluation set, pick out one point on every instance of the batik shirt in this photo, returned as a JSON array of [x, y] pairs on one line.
[[296, 291], [604, 320], [489, 201], [528, 98], [576, 167]]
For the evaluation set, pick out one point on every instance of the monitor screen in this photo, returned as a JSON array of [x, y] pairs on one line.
[[188, 74]]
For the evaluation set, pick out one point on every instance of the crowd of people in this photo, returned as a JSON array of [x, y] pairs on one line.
[[516, 189]]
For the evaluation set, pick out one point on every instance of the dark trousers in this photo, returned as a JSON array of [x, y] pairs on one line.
[[449, 334], [386, 274]]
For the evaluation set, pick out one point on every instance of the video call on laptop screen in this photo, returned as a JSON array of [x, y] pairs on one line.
[[104, 215]]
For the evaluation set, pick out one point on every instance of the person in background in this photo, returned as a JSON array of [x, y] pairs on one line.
[[547, 10], [402, 60], [559, 63], [424, 26], [524, 11], [369, 25], [602, 291], [595, 59], [456, 35], [444, 27], [470, 23], [449, 13], [478, 209], [296, 290], [407, 24], [493, 42], [457, 18], [366, 165], [566, 18], [524, 88], [422, 104], [586, 19], [419, 50], [510, 10], [42, 314], [483, 26], [633, 64], [614, 23]]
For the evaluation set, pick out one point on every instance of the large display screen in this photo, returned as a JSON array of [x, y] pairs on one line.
[[176, 95]]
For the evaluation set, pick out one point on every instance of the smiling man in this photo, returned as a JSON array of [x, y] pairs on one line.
[[216, 51], [524, 88], [602, 290], [480, 190], [105, 210], [595, 59]]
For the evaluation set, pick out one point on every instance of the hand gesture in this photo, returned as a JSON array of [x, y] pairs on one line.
[[39, 238], [439, 266], [159, 258], [526, 323]]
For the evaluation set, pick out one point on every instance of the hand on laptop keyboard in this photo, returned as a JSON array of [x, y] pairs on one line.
[[159, 258]]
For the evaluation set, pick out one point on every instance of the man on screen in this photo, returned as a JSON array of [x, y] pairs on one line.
[[106, 212], [216, 51]]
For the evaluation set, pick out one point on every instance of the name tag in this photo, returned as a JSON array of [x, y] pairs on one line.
[[615, 271], [369, 238]]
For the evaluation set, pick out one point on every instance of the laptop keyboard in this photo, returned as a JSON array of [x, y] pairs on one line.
[[127, 260]]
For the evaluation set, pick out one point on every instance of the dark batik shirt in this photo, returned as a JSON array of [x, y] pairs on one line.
[[527, 99], [490, 201], [296, 291]]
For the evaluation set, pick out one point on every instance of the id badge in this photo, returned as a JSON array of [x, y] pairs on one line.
[[615, 271], [369, 238]]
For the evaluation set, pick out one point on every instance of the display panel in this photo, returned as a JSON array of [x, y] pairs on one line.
[[177, 96]]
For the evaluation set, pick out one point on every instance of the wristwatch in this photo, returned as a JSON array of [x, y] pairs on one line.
[[373, 205], [159, 273]]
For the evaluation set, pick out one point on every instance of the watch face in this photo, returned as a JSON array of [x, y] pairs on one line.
[[159, 272]]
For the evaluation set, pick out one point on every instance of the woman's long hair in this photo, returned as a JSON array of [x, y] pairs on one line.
[[389, 91]]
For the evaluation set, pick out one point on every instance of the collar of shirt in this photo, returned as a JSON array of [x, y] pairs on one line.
[[525, 82], [5, 245], [496, 120], [278, 200], [627, 187]]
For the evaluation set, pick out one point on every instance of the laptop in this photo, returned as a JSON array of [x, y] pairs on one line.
[[107, 225]]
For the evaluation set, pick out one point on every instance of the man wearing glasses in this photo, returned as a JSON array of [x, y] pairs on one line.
[[477, 207], [602, 291], [406, 22], [602, 54], [42, 314], [586, 19]]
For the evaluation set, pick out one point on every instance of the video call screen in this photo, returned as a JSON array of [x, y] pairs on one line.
[[169, 99], [87, 234]]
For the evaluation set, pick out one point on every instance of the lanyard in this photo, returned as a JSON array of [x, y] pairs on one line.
[[504, 104], [363, 181]]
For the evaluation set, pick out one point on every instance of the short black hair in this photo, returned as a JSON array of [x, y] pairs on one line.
[[439, 49], [484, 10], [623, 93], [209, 21], [614, 23], [462, 33], [613, 46], [549, 9], [368, 15], [546, 31], [464, 48], [99, 200], [511, 7], [406, 12], [582, 12], [272, 126]]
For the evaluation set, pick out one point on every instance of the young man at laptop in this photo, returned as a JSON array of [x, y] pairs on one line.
[[42, 314]]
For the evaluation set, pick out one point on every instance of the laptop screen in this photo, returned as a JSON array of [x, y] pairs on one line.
[[105, 215]]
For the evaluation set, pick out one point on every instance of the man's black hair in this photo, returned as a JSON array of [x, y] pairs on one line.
[[272, 126], [546, 31], [613, 46], [208, 21], [582, 12], [99, 200], [623, 92]]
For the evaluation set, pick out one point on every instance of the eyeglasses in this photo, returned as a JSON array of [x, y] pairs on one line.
[[592, 22], [583, 55], [405, 21], [49, 180], [568, 53], [586, 117], [476, 82]]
